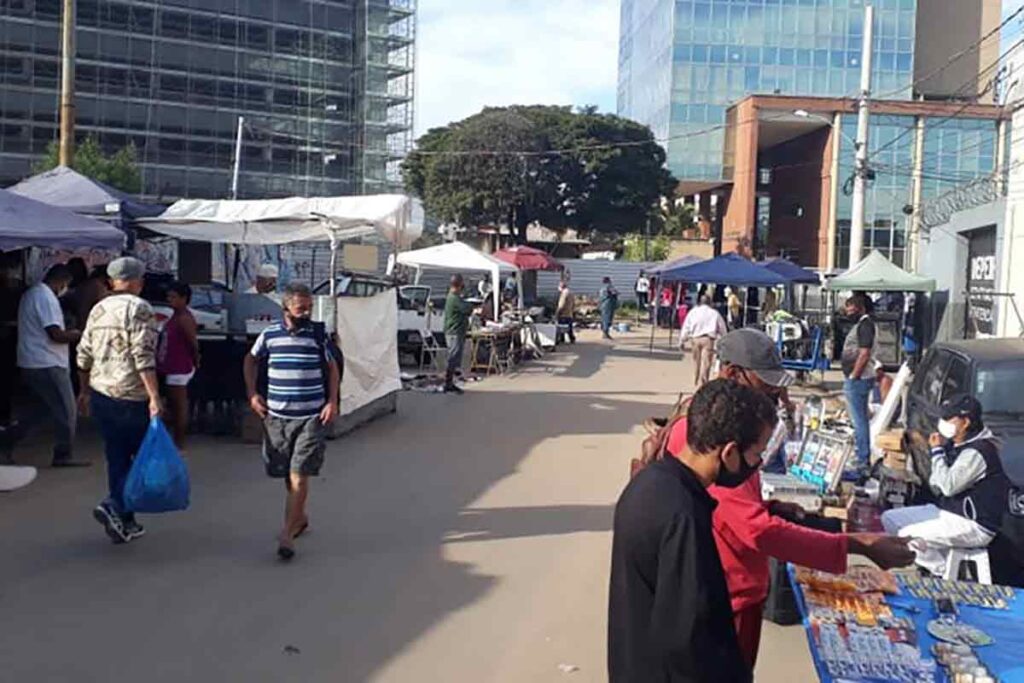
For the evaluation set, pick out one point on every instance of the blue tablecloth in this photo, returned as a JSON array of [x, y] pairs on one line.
[[1004, 658]]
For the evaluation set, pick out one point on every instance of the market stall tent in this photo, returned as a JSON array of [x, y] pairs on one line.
[[793, 273], [68, 189], [727, 269], [875, 273], [25, 222], [528, 258], [681, 262], [459, 257]]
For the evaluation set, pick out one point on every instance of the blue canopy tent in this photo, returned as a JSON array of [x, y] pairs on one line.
[[688, 260], [793, 273], [68, 189], [25, 223]]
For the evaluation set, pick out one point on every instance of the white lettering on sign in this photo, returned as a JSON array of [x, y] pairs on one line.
[[983, 268]]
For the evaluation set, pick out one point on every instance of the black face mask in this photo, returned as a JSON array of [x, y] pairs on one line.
[[299, 323], [731, 480]]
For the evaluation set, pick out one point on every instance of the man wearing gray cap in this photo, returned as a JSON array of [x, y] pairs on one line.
[[748, 530], [117, 367]]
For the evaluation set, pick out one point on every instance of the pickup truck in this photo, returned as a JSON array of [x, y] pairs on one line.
[[991, 370]]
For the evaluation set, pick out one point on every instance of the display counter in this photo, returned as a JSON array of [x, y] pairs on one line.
[[871, 625]]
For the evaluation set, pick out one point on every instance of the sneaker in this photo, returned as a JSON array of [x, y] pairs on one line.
[[453, 389], [133, 530], [105, 514]]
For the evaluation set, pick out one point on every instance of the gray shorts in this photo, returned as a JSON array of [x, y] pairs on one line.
[[293, 445]]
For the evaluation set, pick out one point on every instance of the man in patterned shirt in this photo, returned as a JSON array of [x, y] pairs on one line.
[[117, 369], [297, 403]]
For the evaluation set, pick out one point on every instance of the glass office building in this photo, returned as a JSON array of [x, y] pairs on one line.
[[325, 88], [682, 63]]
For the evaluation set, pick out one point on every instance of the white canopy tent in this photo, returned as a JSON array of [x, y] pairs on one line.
[[293, 219], [459, 257]]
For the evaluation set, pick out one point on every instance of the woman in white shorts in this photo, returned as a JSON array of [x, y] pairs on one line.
[[178, 358]]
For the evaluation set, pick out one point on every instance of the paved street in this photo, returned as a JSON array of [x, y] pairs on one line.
[[464, 539]]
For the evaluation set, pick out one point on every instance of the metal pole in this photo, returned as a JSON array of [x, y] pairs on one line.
[[861, 162], [238, 158], [66, 150]]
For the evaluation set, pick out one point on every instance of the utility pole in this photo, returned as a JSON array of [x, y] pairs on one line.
[[67, 85], [238, 158], [860, 168]]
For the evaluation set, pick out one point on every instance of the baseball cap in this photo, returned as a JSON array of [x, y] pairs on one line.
[[126, 268], [754, 350], [961, 405], [267, 270]]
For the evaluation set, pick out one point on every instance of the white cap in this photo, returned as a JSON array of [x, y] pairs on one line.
[[268, 270]]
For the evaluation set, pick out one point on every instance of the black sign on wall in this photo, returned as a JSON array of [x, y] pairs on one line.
[[981, 282]]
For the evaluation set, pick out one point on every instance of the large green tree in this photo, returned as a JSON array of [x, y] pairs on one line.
[[564, 168], [118, 170]]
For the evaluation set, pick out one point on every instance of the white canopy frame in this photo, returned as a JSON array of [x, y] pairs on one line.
[[457, 257], [293, 219]]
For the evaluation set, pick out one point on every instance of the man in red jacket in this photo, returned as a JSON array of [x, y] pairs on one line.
[[749, 530]]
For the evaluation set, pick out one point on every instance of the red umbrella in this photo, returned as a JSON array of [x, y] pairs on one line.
[[528, 258]]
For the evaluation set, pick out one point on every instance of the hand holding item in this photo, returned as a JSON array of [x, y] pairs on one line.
[[155, 407], [258, 405], [886, 551], [935, 440]]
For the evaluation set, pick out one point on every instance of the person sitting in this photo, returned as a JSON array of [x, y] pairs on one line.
[[969, 483]]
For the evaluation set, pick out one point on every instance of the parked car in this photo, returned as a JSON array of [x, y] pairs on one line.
[[991, 370], [418, 315]]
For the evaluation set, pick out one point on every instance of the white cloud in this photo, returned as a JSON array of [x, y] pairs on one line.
[[476, 53]]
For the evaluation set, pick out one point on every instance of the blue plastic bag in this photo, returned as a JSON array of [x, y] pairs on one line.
[[158, 480]]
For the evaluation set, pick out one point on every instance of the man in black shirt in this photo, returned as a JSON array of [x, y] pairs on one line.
[[859, 372], [669, 616]]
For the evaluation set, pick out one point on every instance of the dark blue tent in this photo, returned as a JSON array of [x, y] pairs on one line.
[[70, 190], [727, 269], [793, 273], [672, 265]]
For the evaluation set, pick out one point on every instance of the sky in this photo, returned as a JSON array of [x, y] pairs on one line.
[[476, 53]]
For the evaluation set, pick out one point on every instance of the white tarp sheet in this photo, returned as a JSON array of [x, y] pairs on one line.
[[368, 337], [293, 219], [459, 257]]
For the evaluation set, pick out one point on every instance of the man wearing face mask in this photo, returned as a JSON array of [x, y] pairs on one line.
[[298, 402], [669, 617], [970, 484], [748, 530], [43, 358]]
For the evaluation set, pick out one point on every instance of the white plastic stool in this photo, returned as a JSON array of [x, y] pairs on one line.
[[957, 556]]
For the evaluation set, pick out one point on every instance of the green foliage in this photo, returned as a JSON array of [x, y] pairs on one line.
[[673, 218], [580, 170], [119, 170], [633, 248]]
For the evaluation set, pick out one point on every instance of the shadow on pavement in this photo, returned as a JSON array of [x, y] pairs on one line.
[[201, 596]]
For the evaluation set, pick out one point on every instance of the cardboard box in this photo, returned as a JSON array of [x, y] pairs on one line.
[[890, 440]]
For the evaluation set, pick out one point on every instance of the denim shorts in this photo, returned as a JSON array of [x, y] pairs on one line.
[[293, 445]]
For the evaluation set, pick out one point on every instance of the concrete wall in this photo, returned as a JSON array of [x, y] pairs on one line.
[[944, 28], [944, 257]]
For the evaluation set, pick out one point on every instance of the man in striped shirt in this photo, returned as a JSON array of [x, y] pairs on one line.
[[298, 401]]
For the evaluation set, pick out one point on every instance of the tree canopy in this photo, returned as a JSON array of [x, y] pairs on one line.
[[563, 168], [119, 170]]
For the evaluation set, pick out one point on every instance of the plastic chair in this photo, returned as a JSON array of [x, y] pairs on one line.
[[816, 360], [959, 556]]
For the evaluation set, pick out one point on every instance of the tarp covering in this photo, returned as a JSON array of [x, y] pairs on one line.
[[681, 262], [68, 189], [727, 269], [528, 258], [793, 273], [294, 219], [875, 273], [25, 222], [458, 257], [368, 337]]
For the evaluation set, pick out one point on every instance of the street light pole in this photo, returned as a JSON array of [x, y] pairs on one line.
[[861, 160], [238, 158], [66, 146]]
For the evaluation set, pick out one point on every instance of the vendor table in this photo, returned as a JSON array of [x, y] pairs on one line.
[[1004, 658], [494, 349]]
